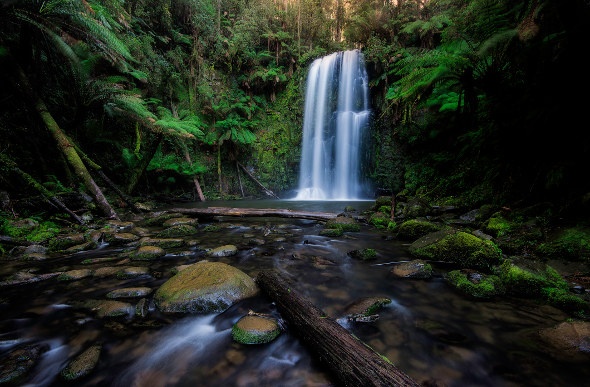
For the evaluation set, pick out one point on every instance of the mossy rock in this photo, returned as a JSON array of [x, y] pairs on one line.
[[363, 254], [366, 306], [74, 275], [528, 279], [147, 253], [476, 285], [457, 247], [165, 243], [497, 225], [19, 361], [567, 302], [415, 228], [332, 232], [223, 251], [254, 329], [204, 287], [179, 230], [415, 269], [180, 222], [83, 364], [109, 308], [382, 201], [571, 244], [136, 292], [416, 208], [158, 219], [343, 222], [65, 242]]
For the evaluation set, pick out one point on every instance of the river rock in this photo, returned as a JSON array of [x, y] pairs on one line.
[[223, 251], [568, 341], [83, 364], [181, 221], [255, 329], [19, 361], [129, 292], [74, 275], [204, 287], [147, 253], [416, 268]]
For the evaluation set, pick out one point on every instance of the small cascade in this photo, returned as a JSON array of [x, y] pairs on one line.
[[335, 122]]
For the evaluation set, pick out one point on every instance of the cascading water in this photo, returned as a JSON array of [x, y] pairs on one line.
[[335, 120]]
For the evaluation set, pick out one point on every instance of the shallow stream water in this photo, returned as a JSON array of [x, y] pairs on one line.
[[430, 332]]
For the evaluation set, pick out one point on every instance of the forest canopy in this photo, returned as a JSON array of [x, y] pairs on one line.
[[473, 101]]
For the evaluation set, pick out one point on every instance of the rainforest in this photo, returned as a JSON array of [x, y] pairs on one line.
[[142, 131]]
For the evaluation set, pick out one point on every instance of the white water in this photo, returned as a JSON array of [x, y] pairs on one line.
[[335, 118]]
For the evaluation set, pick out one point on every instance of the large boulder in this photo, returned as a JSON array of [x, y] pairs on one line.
[[204, 287], [461, 248]]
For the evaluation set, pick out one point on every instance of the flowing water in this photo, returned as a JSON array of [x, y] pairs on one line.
[[430, 332], [335, 123]]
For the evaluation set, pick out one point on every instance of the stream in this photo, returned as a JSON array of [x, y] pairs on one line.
[[435, 335]]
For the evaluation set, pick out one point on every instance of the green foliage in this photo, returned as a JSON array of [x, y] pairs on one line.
[[571, 244], [486, 286]]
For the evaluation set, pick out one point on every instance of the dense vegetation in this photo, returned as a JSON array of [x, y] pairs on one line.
[[474, 101]]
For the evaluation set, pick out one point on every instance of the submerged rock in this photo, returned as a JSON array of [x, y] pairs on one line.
[[19, 361], [204, 287], [568, 341], [223, 251], [416, 268]]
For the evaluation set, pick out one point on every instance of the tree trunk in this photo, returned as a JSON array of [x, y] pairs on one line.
[[352, 362], [147, 156], [266, 190], [33, 183], [255, 212], [66, 147]]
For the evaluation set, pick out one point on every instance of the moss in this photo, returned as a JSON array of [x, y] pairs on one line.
[[379, 220], [344, 223], [177, 231], [523, 282], [332, 232], [498, 226], [363, 254], [486, 286], [29, 229], [414, 229], [384, 209], [255, 330], [211, 228], [566, 301], [572, 244], [459, 247]]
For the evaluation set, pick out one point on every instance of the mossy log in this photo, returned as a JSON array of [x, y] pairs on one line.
[[351, 361], [255, 212]]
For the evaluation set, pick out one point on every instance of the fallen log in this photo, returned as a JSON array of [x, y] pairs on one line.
[[351, 361], [255, 212]]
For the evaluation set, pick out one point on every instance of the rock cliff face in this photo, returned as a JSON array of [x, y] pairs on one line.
[[204, 287]]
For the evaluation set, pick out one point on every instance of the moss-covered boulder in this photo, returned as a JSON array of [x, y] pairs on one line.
[[74, 275], [416, 208], [497, 225], [474, 284], [204, 287], [413, 229], [255, 329], [136, 292], [457, 247], [165, 243], [66, 241], [343, 222], [523, 278], [570, 243], [416, 269], [179, 230], [82, 364]]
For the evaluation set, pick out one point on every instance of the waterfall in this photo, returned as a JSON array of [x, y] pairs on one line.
[[336, 116]]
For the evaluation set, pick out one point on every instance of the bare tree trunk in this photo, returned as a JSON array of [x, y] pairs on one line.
[[266, 190], [33, 183], [65, 146]]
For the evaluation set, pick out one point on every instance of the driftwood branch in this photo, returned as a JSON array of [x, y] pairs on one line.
[[255, 212], [351, 361]]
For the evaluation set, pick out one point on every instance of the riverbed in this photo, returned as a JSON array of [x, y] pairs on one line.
[[435, 335]]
